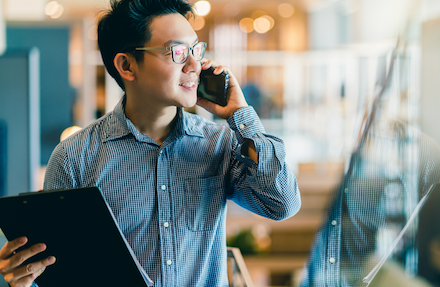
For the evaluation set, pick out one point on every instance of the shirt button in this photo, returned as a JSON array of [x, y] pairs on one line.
[[161, 152], [243, 156], [169, 262], [163, 187], [334, 222], [346, 190], [332, 260], [166, 224], [241, 127]]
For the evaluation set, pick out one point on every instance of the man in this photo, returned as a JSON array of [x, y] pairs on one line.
[[165, 173]]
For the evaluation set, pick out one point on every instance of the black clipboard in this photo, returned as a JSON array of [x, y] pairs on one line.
[[80, 230]]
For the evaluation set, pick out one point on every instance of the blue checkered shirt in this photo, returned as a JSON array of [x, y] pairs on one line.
[[170, 199]]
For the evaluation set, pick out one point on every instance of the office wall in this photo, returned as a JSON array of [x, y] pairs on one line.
[[19, 110], [57, 96]]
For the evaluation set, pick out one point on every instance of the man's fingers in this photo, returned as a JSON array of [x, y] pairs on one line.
[[20, 257], [11, 262], [38, 273], [26, 281], [207, 105], [32, 270], [11, 246]]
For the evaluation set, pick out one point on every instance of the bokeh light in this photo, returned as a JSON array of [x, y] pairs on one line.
[[270, 19], [247, 25], [286, 10], [202, 8], [261, 25], [197, 23], [54, 10], [68, 132]]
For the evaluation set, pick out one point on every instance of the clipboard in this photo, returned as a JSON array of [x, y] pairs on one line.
[[80, 230]]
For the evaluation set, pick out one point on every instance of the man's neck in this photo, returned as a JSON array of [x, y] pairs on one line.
[[149, 119]]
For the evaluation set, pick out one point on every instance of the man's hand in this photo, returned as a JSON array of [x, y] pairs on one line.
[[235, 95], [11, 268]]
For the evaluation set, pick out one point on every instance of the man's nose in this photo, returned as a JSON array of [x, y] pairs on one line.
[[191, 64]]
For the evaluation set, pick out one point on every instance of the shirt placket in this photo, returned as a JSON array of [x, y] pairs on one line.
[[333, 250], [165, 221]]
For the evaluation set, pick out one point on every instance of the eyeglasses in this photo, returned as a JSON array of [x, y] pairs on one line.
[[180, 53]]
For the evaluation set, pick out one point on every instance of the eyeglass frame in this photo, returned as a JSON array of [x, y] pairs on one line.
[[171, 48]]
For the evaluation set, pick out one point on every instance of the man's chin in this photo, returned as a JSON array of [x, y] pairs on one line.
[[189, 104]]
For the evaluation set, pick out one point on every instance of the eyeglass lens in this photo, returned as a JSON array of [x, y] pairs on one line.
[[181, 52]]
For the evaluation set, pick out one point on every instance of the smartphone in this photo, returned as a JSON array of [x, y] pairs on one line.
[[213, 87]]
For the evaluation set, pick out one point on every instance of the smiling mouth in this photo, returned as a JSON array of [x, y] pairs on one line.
[[188, 84]]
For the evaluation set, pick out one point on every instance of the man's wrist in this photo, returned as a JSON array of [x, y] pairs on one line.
[[243, 107], [246, 123]]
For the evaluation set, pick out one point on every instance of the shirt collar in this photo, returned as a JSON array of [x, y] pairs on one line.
[[117, 125], [186, 124]]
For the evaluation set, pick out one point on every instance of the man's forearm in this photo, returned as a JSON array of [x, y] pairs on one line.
[[250, 151]]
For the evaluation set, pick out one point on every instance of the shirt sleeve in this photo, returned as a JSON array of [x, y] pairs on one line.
[[59, 174], [268, 188]]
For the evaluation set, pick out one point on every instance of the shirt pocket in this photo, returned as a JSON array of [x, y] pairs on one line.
[[205, 200]]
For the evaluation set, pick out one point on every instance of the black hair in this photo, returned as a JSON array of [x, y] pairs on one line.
[[127, 26]]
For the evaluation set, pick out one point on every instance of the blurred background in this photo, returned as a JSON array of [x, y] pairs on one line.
[[310, 68]]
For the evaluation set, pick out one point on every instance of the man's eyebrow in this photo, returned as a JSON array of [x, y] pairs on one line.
[[176, 42]]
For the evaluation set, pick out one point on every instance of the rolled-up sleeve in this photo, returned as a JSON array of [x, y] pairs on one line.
[[268, 188]]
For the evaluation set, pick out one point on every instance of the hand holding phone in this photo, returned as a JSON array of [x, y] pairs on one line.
[[213, 87]]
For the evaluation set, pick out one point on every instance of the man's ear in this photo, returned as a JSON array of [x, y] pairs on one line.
[[125, 65]]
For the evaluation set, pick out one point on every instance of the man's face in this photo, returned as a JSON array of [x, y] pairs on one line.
[[162, 81]]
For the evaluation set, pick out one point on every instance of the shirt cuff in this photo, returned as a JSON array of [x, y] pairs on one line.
[[246, 124]]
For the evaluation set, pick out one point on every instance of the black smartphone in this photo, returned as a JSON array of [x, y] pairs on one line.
[[213, 87]]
